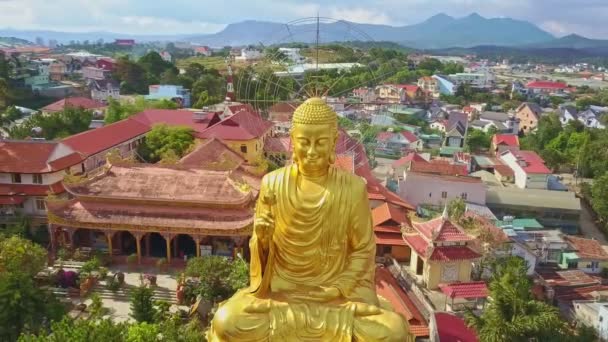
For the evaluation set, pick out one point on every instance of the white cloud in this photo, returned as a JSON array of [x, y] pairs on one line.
[[136, 24], [359, 15]]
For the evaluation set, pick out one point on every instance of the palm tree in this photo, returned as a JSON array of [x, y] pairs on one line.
[[512, 314]]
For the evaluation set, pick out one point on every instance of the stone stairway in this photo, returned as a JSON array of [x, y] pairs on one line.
[[124, 293]]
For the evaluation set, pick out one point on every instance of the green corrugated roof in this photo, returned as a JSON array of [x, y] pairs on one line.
[[410, 128], [483, 161], [449, 150], [569, 255], [525, 223]]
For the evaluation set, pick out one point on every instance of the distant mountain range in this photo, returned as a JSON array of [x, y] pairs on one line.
[[438, 32]]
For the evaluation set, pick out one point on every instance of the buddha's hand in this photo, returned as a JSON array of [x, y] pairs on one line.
[[264, 227], [363, 309], [322, 295]]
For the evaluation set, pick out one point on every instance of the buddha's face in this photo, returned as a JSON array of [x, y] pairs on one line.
[[313, 146]]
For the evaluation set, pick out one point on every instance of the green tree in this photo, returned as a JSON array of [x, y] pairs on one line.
[[513, 314], [456, 209], [599, 191], [132, 76], [154, 65], [96, 308], [114, 112], [220, 278], [4, 93], [79, 330], [477, 140], [18, 255], [142, 304], [162, 139], [143, 332]]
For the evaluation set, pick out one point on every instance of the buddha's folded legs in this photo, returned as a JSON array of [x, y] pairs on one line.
[[235, 322]]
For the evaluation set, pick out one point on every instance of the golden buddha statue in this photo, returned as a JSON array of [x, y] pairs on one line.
[[312, 251]]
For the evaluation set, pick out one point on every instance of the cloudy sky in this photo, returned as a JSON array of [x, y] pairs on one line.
[[560, 17]]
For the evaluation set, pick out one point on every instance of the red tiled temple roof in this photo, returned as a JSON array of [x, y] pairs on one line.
[[451, 328], [243, 125], [476, 289], [453, 253], [33, 157], [278, 145], [148, 182], [417, 243], [124, 216], [388, 288], [385, 213], [12, 200], [440, 229], [101, 139], [175, 117], [389, 239], [74, 102], [213, 155], [345, 162], [30, 189]]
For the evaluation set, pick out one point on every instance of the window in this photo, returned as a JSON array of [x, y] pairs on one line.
[[40, 204], [464, 196], [37, 179], [16, 178], [244, 148], [444, 194]]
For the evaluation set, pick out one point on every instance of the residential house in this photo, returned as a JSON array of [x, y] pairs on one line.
[[503, 142], [592, 118], [29, 171], [587, 255], [105, 63], [456, 132], [528, 114], [57, 71], [502, 122], [292, 54], [94, 73], [397, 143], [365, 95], [404, 164], [440, 252], [166, 56], [280, 114], [407, 111], [102, 90], [439, 124], [176, 93], [383, 120], [592, 313], [546, 87], [529, 168], [471, 112], [429, 85], [390, 93], [420, 188], [202, 51], [547, 245], [75, 102], [553, 209], [445, 86], [481, 80], [249, 55], [436, 113], [567, 114]]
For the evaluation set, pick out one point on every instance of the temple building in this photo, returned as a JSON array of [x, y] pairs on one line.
[[202, 205], [388, 221], [440, 251]]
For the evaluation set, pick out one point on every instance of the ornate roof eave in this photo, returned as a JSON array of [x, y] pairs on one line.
[[239, 231]]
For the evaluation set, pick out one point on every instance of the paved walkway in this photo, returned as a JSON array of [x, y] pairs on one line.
[[119, 303]]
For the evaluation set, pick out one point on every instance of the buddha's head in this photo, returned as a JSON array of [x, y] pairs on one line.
[[314, 133]]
